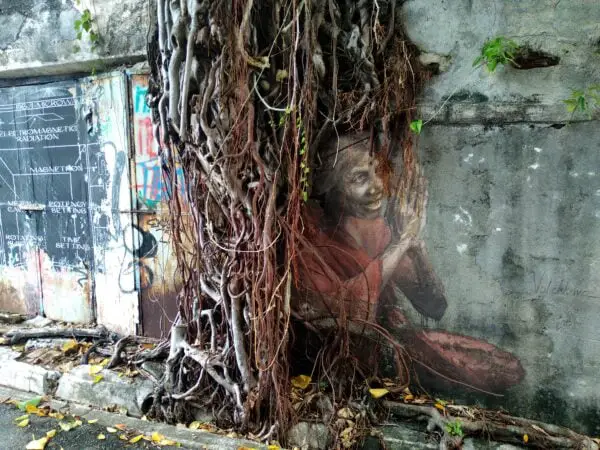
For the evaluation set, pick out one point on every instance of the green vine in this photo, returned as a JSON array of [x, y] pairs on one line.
[[86, 24], [584, 101], [416, 126], [495, 52]]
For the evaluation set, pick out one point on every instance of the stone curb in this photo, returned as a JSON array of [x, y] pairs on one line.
[[78, 386], [27, 377]]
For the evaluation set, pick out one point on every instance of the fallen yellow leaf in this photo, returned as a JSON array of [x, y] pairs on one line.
[[440, 406], [56, 415], [92, 421], [104, 362], [67, 426], [98, 378], [378, 393], [51, 433], [20, 418], [23, 423], [38, 444], [301, 381], [409, 397], [18, 348], [273, 447], [247, 448], [167, 442], [122, 437], [101, 437], [30, 409], [70, 346], [111, 430], [95, 369], [157, 437], [194, 425], [525, 438], [147, 346], [138, 438]]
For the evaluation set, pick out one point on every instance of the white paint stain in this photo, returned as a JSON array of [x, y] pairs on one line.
[[481, 160], [591, 174], [468, 158], [537, 149], [574, 174], [534, 166], [597, 192], [461, 248], [498, 229], [464, 218]]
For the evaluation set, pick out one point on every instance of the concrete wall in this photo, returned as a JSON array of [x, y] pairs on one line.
[[39, 38], [514, 206]]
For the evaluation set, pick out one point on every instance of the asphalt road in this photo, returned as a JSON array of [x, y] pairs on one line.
[[83, 437]]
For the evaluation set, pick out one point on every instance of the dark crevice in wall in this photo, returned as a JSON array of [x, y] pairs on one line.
[[558, 126], [527, 58]]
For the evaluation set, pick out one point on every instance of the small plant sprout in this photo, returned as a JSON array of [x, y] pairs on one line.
[[455, 428], [416, 126], [584, 101], [494, 52]]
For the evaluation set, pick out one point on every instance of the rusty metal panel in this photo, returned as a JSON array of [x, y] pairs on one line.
[[152, 257]]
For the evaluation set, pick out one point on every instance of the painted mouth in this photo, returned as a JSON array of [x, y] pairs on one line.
[[375, 204]]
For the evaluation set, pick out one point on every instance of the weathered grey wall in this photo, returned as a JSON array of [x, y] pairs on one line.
[[39, 38], [514, 209]]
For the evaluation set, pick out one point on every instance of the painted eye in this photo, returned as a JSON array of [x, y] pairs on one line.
[[359, 179]]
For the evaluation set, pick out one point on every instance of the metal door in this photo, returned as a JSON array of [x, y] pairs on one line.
[[45, 248]]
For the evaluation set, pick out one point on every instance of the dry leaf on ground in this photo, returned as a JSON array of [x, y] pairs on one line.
[[38, 444], [138, 438], [95, 369], [378, 393], [301, 381], [70, 346], [23, 423]]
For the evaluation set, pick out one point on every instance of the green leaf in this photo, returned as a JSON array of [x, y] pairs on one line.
[[305, 196], [77, 24], [35, 401], [79, 35], [87, 26], [416, 126]]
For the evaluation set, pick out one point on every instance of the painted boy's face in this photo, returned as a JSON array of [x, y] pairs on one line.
[[362, 188]]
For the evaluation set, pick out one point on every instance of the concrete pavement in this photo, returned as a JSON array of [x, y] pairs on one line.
[[83, 437]]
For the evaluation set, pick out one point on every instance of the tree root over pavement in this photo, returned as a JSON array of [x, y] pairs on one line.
[[496, 425]]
